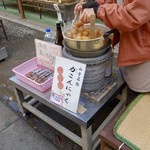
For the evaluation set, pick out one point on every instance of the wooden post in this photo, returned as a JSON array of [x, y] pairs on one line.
[[21, 9]]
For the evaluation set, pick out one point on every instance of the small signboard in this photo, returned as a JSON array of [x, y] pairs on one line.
[[46, 53], [67, 83]]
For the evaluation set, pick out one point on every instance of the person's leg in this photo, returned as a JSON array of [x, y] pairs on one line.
[[137, 77]]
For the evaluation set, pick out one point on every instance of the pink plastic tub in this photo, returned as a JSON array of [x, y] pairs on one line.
[[28, 66]]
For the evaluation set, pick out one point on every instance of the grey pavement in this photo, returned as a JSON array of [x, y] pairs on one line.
[[25, 22], [17, 134]]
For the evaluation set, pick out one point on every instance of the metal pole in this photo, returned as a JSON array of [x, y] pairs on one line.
[[21, 9]]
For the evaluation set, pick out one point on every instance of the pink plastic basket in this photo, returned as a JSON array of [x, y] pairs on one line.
[[28, 66]]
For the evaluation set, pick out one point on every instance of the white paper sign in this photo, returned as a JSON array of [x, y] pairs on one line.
[[46, 53], [67, 83]]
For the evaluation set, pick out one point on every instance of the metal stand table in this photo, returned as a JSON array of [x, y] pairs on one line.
[[88, 140]]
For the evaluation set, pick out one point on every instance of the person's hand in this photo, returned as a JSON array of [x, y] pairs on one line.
[[86, 14], [78, 8]]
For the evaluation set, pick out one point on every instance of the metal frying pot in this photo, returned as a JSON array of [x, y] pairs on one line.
[[91, 44]]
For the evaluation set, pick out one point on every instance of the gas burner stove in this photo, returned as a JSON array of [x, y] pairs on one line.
[[96, 96]]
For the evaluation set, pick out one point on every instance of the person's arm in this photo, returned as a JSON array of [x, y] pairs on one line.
[[90, 4], [101, 2], [93, 5], [96, 3], [91, 8], [127, 17]]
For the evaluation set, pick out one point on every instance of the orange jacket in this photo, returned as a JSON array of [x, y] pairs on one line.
[[132, 19]]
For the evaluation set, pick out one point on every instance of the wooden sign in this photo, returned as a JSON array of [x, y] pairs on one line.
[[67, 83], [46, 53]]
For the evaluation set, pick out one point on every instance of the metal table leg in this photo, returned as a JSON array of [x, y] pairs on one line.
[[86, 138], [20, 99], [1, 23]]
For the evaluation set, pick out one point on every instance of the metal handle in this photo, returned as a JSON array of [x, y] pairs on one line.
[[106, 34]]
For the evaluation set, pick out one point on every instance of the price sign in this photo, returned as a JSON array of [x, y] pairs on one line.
[[46, 53], [67, 83], [58, 99]]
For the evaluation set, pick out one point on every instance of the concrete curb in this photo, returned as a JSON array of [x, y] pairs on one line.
[[25, 21]]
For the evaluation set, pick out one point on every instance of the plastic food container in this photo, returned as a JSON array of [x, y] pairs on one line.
[[28, 66]]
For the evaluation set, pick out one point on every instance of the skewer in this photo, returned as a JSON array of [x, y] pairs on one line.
[[92, 26]]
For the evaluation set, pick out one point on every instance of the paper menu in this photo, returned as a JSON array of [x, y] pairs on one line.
[[46, 53], [67, 83]]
